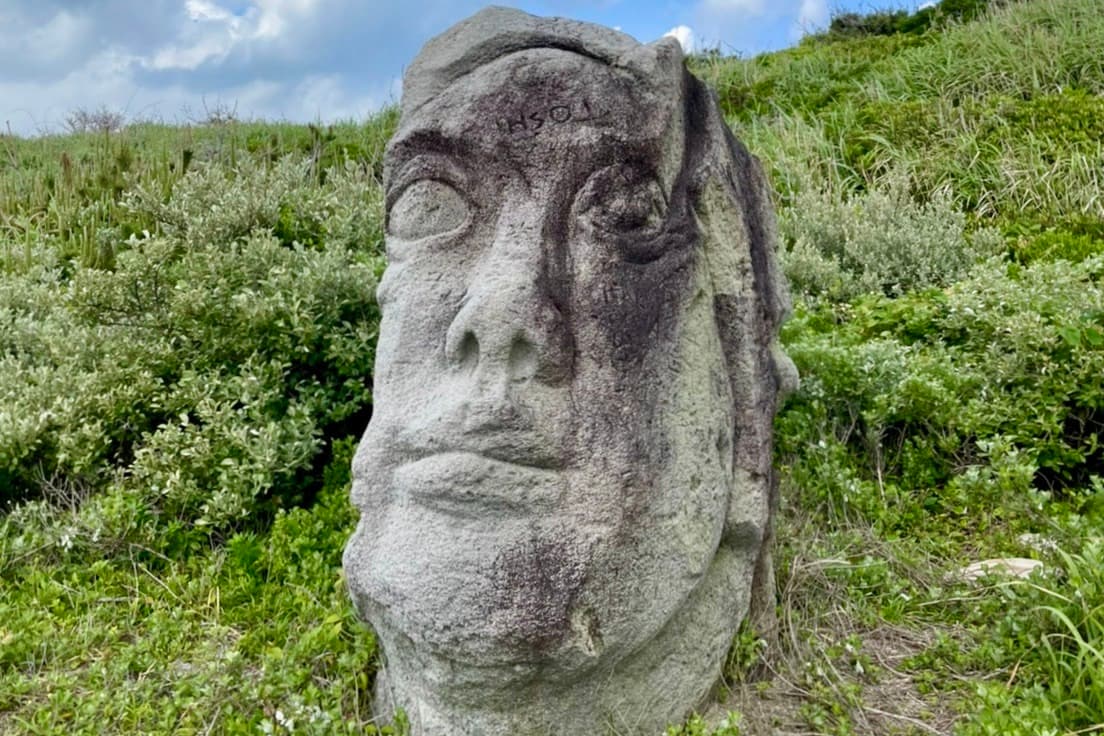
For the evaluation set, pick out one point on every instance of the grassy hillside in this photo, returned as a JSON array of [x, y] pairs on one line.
[[187, 327]]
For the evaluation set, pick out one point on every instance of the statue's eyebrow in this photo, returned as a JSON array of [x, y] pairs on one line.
[[427, 141]]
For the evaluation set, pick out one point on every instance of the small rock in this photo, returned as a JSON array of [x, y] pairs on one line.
[[1017, 567]]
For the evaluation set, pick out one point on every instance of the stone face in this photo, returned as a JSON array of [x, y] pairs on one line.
[[565, 489]]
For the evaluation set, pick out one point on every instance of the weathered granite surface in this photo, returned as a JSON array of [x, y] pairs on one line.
[[566, 486]]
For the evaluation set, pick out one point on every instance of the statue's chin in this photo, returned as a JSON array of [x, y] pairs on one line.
[[474, 663], [473, 657], [626, 679]]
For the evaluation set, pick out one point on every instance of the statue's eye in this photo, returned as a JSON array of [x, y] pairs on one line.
[[426, 207], [623, 203]]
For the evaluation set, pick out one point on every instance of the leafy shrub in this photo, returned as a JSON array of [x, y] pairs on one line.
[[882, 241], [202, 377], [890, 22], [1057, 244], [873, 427], [1070, 118], [966, 403], [213, 205], [882, 23], [878, 135]]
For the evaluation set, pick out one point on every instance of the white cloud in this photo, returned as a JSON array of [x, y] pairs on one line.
[[63, 29], [751, 26], [684, 35], [35, 46], [190, 57], [274, 15], [201, 10], [297, 60], [812, 15], [216, 32]]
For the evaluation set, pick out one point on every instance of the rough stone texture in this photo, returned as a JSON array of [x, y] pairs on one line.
[[566, 487]]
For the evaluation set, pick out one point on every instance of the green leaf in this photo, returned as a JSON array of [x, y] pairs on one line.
[[1071, 335]]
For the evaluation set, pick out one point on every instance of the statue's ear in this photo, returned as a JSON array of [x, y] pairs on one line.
[[741, 241], [735, 204], [739, 317], [735, 215]]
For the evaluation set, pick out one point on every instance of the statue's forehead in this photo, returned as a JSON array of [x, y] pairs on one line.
[[540, 100]]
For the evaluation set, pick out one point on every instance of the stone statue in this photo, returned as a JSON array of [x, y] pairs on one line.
[[566, 487]]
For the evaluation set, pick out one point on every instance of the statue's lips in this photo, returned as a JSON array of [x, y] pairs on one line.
[[469, 483]]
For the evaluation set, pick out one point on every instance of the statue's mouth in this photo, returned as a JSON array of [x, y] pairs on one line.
[[465, 483]]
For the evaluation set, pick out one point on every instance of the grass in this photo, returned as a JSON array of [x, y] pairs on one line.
[[68, 189], [174, 465], [984, 109], [142, 642]]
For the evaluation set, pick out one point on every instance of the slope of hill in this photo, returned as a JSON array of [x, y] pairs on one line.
[[187, 325]]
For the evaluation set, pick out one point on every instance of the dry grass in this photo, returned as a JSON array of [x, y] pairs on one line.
[[891, 704], [835, 665]]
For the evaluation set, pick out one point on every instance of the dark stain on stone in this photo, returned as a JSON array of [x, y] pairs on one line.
[[535, 586]]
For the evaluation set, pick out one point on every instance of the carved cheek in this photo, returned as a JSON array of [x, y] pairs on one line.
[[418, 297], [634, 308]]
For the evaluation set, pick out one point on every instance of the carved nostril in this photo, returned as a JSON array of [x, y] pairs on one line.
[[467, 353], [523, 359], [516, 339]]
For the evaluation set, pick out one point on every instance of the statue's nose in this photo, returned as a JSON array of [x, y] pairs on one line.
[[509, 325]]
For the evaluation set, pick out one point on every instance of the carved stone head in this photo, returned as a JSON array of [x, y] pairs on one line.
[[565, 488]]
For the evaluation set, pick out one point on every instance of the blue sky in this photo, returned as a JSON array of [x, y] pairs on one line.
[[304, 60]]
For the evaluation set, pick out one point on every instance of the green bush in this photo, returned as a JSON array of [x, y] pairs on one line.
[[1072, 117], [882, 241], [203, 375], [214, 205], [968, 403], [883, 23], [890, 22], [1057, 244]]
